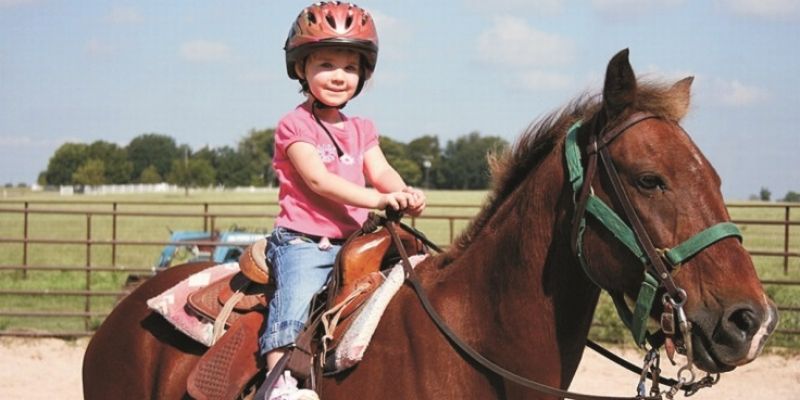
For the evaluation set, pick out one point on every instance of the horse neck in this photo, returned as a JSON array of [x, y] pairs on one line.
[[522, 277]]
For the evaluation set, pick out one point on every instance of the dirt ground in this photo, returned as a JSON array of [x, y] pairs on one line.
[[51, 369]]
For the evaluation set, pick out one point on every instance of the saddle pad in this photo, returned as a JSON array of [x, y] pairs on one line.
[[172, 303], [355, 340]]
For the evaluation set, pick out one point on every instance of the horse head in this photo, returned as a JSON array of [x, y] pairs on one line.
[[674, 193]]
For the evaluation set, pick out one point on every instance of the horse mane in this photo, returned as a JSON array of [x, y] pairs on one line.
[[511, 166]]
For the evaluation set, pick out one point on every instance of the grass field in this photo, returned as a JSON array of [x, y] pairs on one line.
[[247, 213]]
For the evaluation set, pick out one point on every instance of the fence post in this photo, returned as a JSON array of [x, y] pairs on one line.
[[87, 302], [25, 243], [452, 228], [205, 217], [114, 236], [786, 241]]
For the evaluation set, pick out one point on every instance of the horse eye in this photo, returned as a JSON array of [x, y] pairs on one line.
[[650, 182]]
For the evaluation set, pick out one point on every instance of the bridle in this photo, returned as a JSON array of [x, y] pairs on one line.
[[660, 264], [657, 274]]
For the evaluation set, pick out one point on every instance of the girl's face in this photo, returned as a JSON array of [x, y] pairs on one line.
[[332, 75]]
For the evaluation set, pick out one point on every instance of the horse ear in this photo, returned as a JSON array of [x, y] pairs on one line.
[[619, 90], [681, 92]]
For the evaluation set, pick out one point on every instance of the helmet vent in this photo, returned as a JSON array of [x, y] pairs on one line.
[[311, 18], [331, 20]]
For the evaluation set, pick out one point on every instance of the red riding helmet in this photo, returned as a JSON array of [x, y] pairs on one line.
[[333, 24]]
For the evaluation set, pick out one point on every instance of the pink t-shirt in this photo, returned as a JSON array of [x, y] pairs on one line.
[[300, 208]]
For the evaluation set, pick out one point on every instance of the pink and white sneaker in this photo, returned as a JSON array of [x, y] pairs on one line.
[[286, 389]]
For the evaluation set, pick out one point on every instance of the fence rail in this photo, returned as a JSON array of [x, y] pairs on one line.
[[209, 221]]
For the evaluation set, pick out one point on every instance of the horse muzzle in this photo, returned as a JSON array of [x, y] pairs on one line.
[[733, 336]]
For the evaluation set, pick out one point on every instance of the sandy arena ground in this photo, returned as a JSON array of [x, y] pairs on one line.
[[51, 369]]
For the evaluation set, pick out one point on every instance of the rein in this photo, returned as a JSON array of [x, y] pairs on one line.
[[411, 277]]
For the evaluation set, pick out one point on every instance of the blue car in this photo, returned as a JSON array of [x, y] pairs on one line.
[[219, 247]]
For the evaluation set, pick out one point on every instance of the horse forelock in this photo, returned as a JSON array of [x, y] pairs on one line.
[[512, 166]]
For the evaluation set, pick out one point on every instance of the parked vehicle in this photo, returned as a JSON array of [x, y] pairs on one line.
[[220, 247]]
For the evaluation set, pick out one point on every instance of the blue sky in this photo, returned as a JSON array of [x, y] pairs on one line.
[[206, 72]]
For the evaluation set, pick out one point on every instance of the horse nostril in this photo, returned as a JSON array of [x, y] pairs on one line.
[[745, 320]]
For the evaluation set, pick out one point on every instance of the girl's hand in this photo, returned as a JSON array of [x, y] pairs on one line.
[[398, 201], [418, 202]]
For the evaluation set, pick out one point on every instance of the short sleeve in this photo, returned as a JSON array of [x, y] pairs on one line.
[[369, 134], [290, 131]]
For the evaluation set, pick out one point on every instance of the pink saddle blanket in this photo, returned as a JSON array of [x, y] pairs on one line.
[[172, 303]]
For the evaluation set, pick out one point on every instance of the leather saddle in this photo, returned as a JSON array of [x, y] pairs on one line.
[[225, 370]]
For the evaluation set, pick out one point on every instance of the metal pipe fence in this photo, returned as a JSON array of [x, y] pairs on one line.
[[91, 312]]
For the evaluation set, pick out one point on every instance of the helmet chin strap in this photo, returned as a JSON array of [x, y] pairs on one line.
[[320, 105]]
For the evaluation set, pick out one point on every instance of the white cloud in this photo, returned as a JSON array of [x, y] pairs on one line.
[[98, 48], [541, 7], [763, 8], [14, 3], [20, 141], [543, 80], [393, 34], [529, 55], [652, 71], [736, 94], [259, 76], [511, 42], [205, 51], [631, 7], [124, 15]]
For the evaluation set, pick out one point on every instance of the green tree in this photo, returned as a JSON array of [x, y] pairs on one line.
[[193, 172], [41, 180], [408, 170], [150, 175], [392, 149], [64, 162], [792, 197], [92, 172], [427, 154], [464, 163], [205, 153], [398, 157], [115, 159], [764, 194], [233, 169], [258, 148], [201, 172], [152, 149]]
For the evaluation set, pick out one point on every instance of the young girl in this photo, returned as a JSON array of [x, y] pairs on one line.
[[323, 160]]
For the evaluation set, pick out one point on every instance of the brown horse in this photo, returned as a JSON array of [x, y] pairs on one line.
[[511, 286]]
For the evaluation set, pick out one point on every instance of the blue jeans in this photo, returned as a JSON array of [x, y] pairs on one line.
[[299, 269]]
